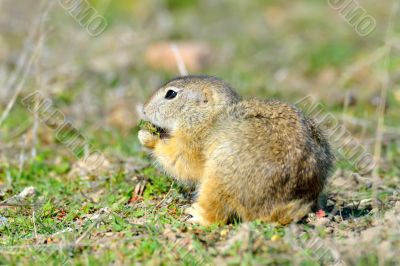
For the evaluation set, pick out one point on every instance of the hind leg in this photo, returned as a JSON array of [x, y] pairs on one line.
[[287, 213], [211, 206]]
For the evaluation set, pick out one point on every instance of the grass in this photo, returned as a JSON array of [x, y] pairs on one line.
[[129, 211]]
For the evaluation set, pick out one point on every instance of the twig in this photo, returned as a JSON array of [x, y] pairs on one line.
[[102, 214], [34, 223], [179, 60], [384, 76], [88, 230], [22, 156], [5, 204], [20, 85], [351, 70], [34, 136], [165, 197], [24, 65], [9, 178]]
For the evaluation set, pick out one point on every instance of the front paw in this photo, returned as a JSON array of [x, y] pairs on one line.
[[147, 139], [197, 215]]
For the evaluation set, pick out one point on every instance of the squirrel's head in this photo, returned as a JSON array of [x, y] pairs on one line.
[[188, 101]]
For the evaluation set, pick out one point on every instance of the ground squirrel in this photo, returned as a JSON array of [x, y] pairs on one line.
[[251, 159]]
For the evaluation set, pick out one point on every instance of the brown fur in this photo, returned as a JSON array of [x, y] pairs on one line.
[[251, 158]]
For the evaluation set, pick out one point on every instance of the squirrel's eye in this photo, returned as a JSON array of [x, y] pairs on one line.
[[170, 94]]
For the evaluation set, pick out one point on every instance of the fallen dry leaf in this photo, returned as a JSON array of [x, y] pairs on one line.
[[61, 214]]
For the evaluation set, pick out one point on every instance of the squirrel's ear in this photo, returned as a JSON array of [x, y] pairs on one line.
[[207, 97]]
